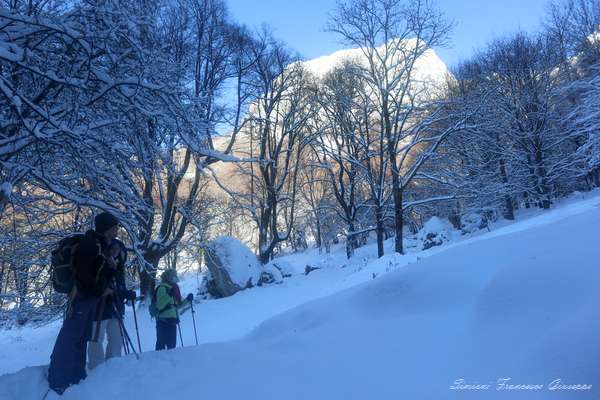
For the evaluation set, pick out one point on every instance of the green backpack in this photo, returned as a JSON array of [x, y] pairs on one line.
[[154, 311]]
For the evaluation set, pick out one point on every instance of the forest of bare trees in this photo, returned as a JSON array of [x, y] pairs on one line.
[[187, 125]]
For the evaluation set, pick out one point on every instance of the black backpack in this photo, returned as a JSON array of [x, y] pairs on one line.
[[63, 263]]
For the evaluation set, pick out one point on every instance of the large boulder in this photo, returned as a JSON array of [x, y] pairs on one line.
[[285, 268], [232, 266], [269, 275], [435, 232], [472, 222]]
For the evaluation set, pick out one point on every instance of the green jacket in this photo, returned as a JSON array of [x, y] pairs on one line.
[[166, 302]]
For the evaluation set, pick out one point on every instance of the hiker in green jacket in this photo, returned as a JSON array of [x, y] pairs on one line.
[[169, 305]]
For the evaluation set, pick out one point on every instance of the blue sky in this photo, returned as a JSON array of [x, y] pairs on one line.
[[300, 23]]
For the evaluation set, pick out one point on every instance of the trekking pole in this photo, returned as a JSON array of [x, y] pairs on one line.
[[123, 342], [137, 331], [180, 337], [126, 333], [99, 319], [117, 314], [194, 320], [129, 342], [122, 331]]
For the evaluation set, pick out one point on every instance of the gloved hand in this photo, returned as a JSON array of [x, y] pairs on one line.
[[130, 295], [190, 297]]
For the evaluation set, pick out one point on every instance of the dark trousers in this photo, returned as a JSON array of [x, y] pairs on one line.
[[67, 362], [166, 334]]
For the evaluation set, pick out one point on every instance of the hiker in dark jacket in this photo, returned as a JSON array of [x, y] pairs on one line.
[[113, 311], [169, 304], [93, 274]]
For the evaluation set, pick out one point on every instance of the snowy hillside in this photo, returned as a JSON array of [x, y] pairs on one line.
[[518, 303]]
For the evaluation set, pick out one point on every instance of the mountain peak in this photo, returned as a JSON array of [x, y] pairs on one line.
[[429, 66]]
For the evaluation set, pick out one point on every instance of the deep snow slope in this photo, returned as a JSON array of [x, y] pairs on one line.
[[520, 304]]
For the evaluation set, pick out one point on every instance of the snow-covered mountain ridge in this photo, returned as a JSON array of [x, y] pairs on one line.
[[429, 67]]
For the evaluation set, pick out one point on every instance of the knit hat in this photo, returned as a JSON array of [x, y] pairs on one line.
[[105, 221]]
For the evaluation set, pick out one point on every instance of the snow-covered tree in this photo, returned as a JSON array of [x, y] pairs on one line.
[[344, 153], [396, 38], [274, 138]]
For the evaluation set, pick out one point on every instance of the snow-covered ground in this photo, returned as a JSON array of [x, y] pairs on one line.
[[520, 302]]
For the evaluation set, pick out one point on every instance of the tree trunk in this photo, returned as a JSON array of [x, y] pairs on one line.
[[148, 278], [398, 215], [350, 241], [318, 236], [264, 257], [22, 283], [542, 179], [597, 177], [264, 247], [509, 211], [379, 221]]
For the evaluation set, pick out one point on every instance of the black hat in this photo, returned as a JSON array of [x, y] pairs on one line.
[[105, 221]]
